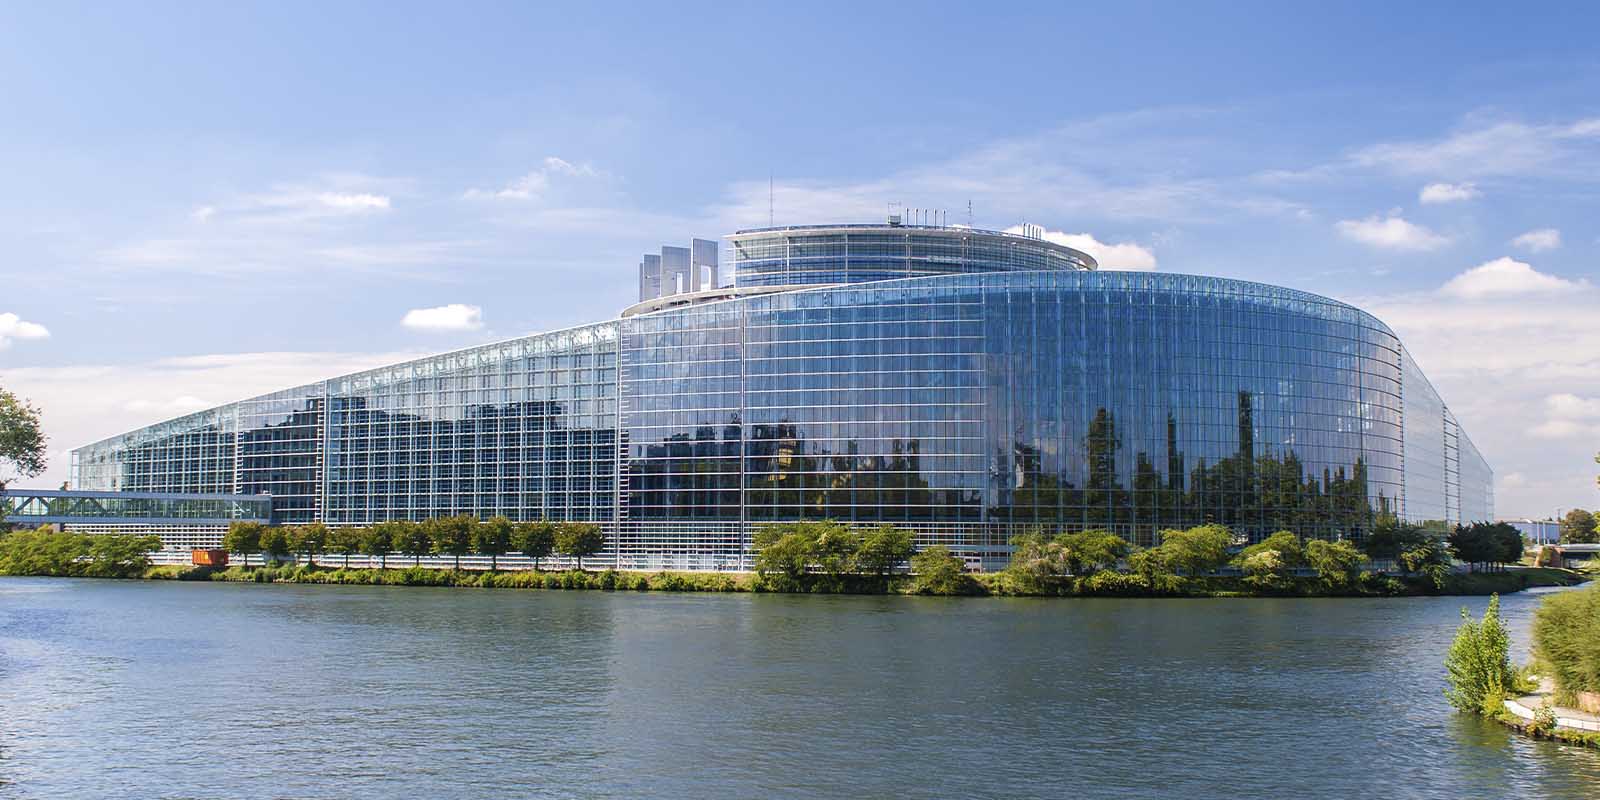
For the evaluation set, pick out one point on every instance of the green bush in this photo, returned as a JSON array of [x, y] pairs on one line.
[[939, 571], [1108, 583], [1566, 640], [1478, 664]]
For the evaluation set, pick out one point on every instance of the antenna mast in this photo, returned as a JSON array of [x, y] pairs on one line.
[[771, 216]]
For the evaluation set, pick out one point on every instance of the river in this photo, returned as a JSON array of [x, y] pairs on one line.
[[165, 689]]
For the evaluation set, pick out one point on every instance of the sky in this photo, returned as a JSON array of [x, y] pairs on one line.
[[203, 203]]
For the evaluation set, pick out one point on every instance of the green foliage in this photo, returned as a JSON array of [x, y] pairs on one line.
[[1091, 551], [1037, 564], [1265, 569], [939, 571], [1487, 543], [536, 540], [579, 539], [66, 554], [243, 538], [1566, 640], [22, 439], [1478, 665], [1579, 526], [785, 549], [378, 540], [345, 541], [1338, 564], [1196, 551], [492, 538], [1544, 720], [882, 549], [1390, 537], [1429, 558], [410, 538], [119, 556], [452, 536], [1291, 554], [274, 543], [308, 540]]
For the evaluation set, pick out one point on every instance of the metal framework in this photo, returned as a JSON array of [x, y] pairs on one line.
[[60, 507]]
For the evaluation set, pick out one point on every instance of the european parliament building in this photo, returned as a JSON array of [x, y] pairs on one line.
[[965, 384]]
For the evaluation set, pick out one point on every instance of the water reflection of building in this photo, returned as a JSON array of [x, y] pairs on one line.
[[963, 383]]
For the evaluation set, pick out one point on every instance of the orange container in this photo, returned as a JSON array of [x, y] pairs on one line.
[[209, 558]]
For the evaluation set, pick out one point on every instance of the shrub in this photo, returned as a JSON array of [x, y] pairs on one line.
[[1338, 564], [1479, 662], [1113, 584], [939, 571], [1265, 569], [1566, 640]]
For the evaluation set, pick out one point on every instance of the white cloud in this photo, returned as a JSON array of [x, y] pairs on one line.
[[452, 317], [1506, 147], [536, 183], [182, 404], [1448, 193], [203, 213], [1391, 233], [1538, 241], [1506, 276], [1495, 358], [1124, 255], [353, 202], [13, 327], [86, 403]]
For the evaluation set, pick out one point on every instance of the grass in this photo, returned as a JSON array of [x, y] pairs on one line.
[[1002, 584]]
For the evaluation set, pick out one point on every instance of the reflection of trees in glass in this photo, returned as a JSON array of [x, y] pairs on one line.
[[1252, 493], [792, 478]]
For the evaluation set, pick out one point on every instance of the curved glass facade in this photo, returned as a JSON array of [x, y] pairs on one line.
[[822, 254], [967, 407]]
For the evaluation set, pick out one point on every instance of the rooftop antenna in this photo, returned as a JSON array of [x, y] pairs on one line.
[[969, 212], [771, 216]]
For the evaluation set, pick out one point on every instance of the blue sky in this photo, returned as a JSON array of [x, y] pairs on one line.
[[200, 204]]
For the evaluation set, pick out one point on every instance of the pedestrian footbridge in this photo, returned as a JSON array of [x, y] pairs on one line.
[[72, 507]]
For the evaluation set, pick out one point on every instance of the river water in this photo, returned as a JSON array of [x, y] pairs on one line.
[[161, 689]]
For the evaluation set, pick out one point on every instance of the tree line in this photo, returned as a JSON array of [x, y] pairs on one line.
[[454, 536]]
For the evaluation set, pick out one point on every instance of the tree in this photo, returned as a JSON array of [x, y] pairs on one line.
[[411, 538], [41, 552], [1091, 551], [1479, 662], [1338, 564], [492, 538], [274, 544], [22, 439], [1578, 527], [579, 539], [452, 536], [1265, 569], [1291, 554], [536, 540], [1429, 558], [1566, 640], [346, 542], [116, 556], [883, 549], [1486, 543], [309, 539], [786, 548], [243, 538], [1390, 537], [939, 571], [1197, 550], [378, 540]]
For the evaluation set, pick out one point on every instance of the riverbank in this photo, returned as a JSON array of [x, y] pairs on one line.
[[995, 584], [1536, 715]]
